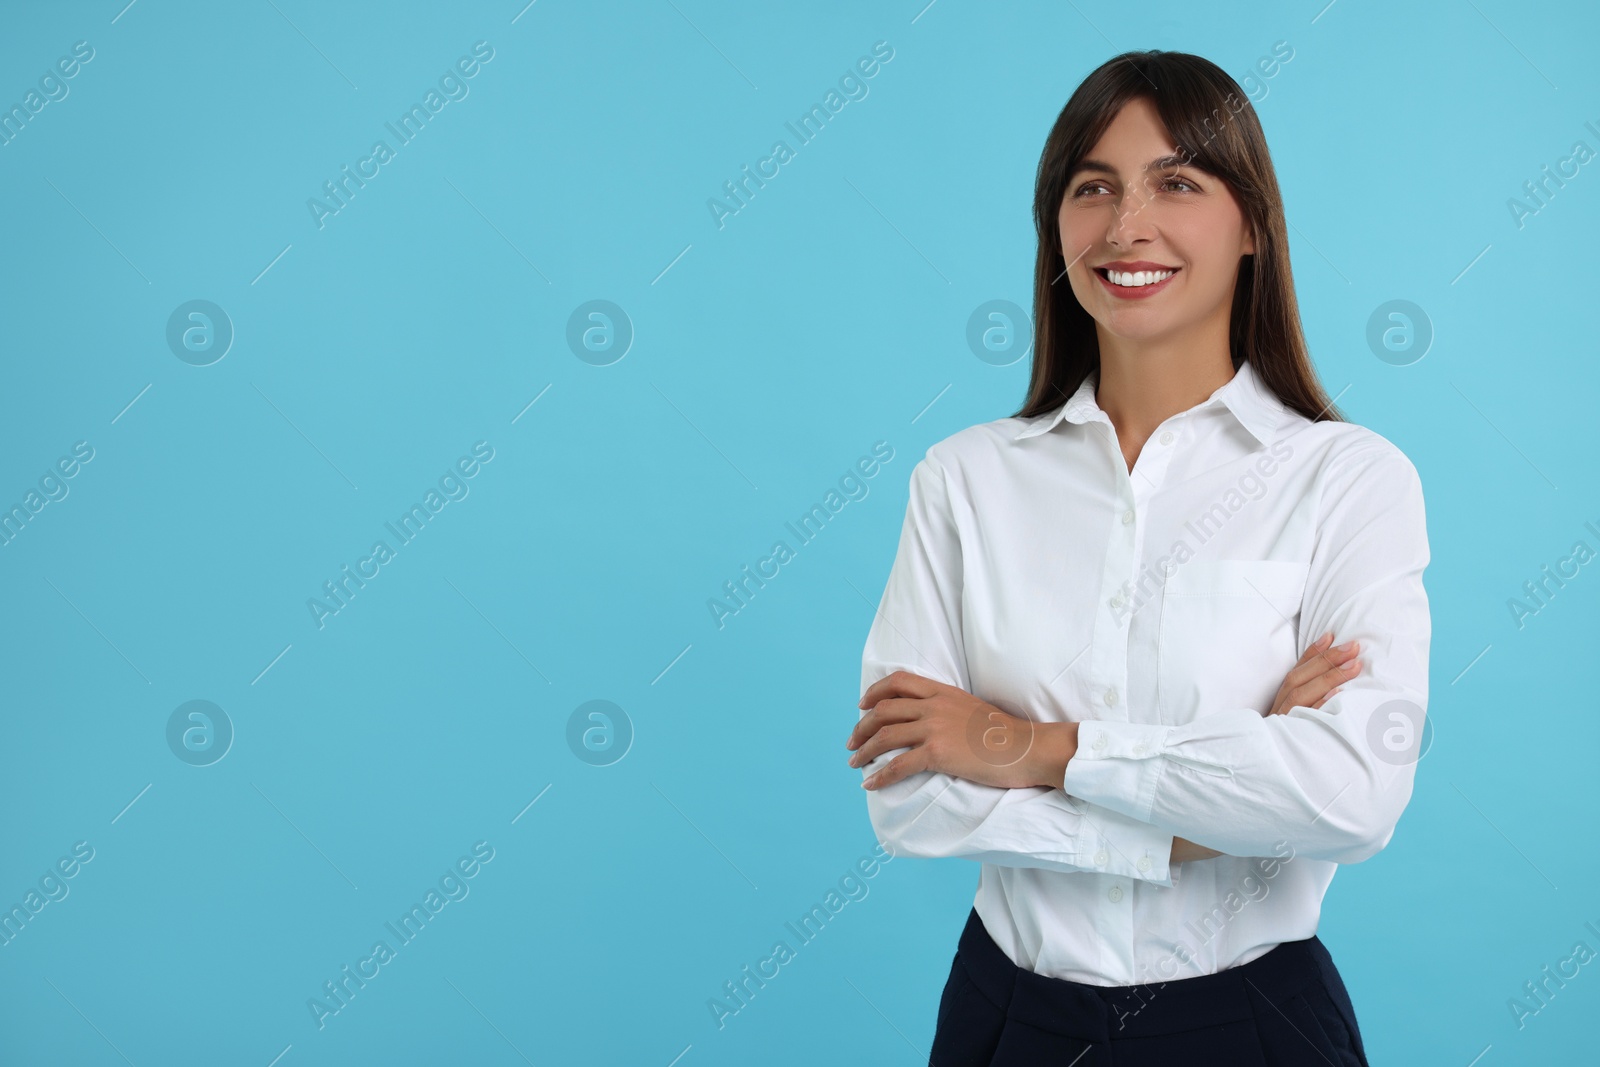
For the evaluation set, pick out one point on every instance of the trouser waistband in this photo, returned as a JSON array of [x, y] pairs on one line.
[[1099, 1013]]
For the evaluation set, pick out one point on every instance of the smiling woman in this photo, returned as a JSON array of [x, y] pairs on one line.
[[1115, 770]]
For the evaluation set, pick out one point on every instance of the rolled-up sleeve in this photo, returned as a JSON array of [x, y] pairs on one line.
[[918, 628], [1332, 780]]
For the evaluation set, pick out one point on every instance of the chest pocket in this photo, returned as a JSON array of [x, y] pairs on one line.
[[1228, 635]]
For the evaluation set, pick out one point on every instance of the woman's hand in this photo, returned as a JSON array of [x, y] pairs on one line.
[[1184, 850], [948, 729], [1319, 674]]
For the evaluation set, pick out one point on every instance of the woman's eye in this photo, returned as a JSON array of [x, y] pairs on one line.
[[1090, 187]]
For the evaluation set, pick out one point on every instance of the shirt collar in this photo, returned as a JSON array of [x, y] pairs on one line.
[[1254, 405]]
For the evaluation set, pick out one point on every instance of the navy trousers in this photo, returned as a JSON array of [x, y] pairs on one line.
[[1286, 1007]]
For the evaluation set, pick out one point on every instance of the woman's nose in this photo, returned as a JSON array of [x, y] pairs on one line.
[[1130, 223]]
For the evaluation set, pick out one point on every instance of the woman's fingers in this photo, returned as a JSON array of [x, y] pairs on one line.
[[883, 713], [900, 684], [1313, 665], [1316, 646], [896, 735], [1317, 661], [1308, 681], [1318, 689], [906, 763]]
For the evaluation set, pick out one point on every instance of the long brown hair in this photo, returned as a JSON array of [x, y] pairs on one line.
[[1215, 127]]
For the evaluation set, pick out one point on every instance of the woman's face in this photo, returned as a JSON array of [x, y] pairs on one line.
[[1133, 205]]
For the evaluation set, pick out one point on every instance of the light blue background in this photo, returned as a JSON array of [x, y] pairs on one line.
[[829, 314]]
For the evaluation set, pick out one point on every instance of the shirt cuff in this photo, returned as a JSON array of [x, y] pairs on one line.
[[1129, 848], [1116, 766]]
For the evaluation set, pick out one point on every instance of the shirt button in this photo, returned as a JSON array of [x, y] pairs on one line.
[[1114, 893], [1140, 749], [1144, 863], [1116, 602], [1111, 697], [1127, 517], [1100, 858], [1166, 437], [1099, 742]]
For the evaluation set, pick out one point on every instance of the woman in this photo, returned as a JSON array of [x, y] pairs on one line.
[[1099, 603]]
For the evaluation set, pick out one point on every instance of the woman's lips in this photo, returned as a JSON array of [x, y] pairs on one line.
[[1135, 292]]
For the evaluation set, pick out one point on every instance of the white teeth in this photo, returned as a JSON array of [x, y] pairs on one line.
[[1138, 277]]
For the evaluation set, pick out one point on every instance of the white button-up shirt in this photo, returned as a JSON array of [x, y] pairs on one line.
[[1161, 608]]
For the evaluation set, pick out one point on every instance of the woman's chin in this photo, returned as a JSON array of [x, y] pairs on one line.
[[1132, 326]]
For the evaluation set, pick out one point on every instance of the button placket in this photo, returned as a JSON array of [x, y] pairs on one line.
[[1151, 466], [1106, 665], [1125, 555], [1122, 558]]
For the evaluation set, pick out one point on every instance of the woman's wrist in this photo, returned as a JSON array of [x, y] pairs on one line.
[[1054, 745]]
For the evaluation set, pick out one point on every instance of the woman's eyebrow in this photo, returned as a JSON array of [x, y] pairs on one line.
[[1099, 166]]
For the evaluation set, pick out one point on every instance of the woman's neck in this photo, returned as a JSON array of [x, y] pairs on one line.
[[1144, 383]]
